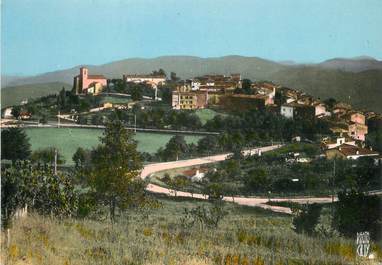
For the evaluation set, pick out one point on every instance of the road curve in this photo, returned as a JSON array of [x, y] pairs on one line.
[[253, 201], [249, 201]]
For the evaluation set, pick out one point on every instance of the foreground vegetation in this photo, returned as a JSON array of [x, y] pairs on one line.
[[162, 236]]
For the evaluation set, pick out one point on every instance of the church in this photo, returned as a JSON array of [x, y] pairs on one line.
[[88, 84]]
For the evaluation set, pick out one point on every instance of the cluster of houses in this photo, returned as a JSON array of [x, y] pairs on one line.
[[349, 125], [199, 92]]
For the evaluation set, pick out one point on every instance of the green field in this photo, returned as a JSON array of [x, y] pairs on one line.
[[67, 140], [115, 100], [205, 115]]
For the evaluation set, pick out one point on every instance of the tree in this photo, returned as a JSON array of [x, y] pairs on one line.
[[179, 182], [246, 86], [214, 191], [307, 218], [357, 212], [44, 119], [173, 77], [116, 166], [330, 102], [47, 156], [166, 94], [16, 111], [97, 119], [38, 187], [257, 180], [15, 144], [374, 139], [208, 145], [61, 99], [119, 85], [159, 72], [136, 93], [175, 147], [81, 157]]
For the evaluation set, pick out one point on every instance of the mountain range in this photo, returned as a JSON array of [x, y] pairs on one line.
[[356, 80]]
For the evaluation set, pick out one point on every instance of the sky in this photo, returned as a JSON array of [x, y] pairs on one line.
[[40, 36]]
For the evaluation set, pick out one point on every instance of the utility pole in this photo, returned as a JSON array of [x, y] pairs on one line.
[[334, 175], [55, 162], [135, 122], [58, 120]]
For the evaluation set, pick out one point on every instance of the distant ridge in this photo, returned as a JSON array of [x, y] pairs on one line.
[[355, 80], [357, 64]]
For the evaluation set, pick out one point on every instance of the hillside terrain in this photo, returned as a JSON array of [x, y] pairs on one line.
[[13, 95], [167, 236], [358, 80], [358, 64]]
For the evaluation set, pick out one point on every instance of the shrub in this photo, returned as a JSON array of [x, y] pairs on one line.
[[209, 217], [307, 218], [38, 187], [357, 212], [324, 226]]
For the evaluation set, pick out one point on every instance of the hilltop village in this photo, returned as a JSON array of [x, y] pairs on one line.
[[222, 93], [231, 92]]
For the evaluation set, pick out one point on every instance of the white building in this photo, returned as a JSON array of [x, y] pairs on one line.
[[8, 113], [153, 80], [287, 111]]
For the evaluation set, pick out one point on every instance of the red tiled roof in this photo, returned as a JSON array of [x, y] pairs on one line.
[[192, 172], [351, 150]]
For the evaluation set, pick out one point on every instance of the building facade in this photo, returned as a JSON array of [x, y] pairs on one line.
[[185, 98], [88, 84], [153, 80]]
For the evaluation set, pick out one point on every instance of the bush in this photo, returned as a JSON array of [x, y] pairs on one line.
[[46, 156], [324, 227], [208, 217], [357, 212], [307, 218], [39, 188]]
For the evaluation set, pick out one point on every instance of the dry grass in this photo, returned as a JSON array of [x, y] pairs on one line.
[[246, 236]]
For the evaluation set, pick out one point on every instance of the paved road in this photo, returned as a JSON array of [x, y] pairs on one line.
[[249, 201], [253, 201]]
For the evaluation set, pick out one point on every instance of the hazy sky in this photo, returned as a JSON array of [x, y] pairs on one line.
[[48, 35]]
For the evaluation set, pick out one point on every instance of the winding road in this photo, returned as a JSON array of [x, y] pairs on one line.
[[148, 170]]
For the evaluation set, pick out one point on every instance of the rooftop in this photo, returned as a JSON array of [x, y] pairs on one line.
[[351, 150], [145, 76]]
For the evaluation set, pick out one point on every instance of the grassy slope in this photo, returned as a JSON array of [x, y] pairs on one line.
[[158, 237], [13, 95], [115, 100], [205, 115], [68, 140]]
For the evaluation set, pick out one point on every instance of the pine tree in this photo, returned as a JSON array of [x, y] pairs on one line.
[[116, 166]]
